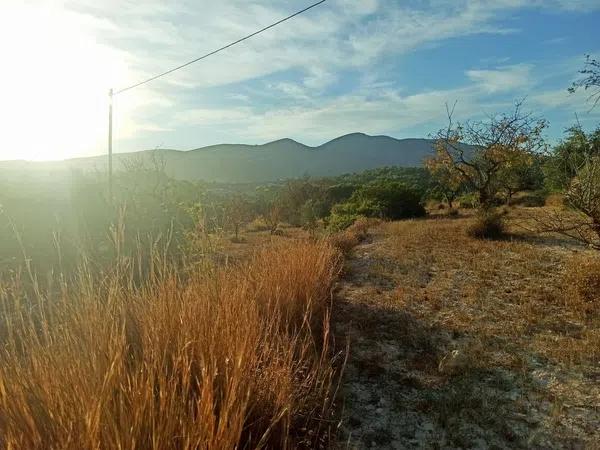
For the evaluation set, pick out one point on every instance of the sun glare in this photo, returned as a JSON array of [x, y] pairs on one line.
[[55, 79]]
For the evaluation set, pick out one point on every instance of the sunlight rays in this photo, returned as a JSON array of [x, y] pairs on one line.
[[56, 78]]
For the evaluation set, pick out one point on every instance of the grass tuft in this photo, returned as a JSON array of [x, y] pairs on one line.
[[487, 225], [346, 240]]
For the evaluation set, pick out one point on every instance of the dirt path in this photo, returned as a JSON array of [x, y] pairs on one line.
[[409, 384]]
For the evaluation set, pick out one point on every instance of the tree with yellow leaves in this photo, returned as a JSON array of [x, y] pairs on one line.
[[480, 153], [447, 183]]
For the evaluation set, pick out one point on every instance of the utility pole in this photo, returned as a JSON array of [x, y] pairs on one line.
[[110, 159]]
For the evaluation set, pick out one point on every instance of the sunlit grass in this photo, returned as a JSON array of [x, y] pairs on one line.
[[216, 358]]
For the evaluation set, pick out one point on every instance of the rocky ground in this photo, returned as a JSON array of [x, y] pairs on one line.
[[445, 353]]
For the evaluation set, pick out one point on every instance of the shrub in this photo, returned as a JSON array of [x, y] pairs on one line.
[[353, 235], [257, 224], [340, 220], [582, 281], [362, 225], [487, 225], [311, 212], [468, 201], [555, 200], [530, 199], [384, 200], [389, 200], [344, 241]]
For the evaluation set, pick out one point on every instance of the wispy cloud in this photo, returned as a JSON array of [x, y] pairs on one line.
[[505, 78]]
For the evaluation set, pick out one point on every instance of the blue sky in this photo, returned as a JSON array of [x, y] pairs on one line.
[[375, 66]]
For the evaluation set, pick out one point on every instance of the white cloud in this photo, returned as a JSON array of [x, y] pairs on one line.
[[503, 79], [377, 107], [339, 34], [389, 112]]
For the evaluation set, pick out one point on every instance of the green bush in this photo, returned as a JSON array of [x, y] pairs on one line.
[[385, 200], [388, 200], [468, 201], [339, 220]]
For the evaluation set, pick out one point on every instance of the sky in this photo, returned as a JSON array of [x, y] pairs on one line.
[[373, 66]]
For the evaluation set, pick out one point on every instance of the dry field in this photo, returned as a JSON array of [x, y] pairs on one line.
[[454, 342], [458, 342]]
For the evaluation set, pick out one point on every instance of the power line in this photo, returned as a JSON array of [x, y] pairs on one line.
[[219, 49]]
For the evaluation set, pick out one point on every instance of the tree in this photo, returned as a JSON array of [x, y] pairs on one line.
[[569, 155], [269, 206], [446, 182], [580, 158], [477, 152], [237, 212], [590, 80], [522, 174], [584, 196], [310, 214], [272, 215]]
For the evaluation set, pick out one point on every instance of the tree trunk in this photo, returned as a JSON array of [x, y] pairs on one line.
[[484, 199], [509, 196]]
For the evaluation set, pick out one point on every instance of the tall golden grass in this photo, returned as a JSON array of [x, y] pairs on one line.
[[217, 358]]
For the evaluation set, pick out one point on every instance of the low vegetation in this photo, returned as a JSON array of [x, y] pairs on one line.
[[219, 358], [487, 225], [582, 282]]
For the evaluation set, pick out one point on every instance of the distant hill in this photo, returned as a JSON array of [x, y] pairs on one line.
[[280, 159]]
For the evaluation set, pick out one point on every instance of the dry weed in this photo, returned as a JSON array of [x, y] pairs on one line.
[[220, 358], [346, 240], [582, 282]]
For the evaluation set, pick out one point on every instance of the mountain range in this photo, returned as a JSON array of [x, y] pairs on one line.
[[239, 163]]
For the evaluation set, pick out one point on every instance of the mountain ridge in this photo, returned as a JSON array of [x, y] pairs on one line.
[[282, 158]]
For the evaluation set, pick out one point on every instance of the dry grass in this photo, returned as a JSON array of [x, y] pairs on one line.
[[479, 337], [487, 225], [346, 240], [582, 280], [498, 291], [555, 200], [219, 358]]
